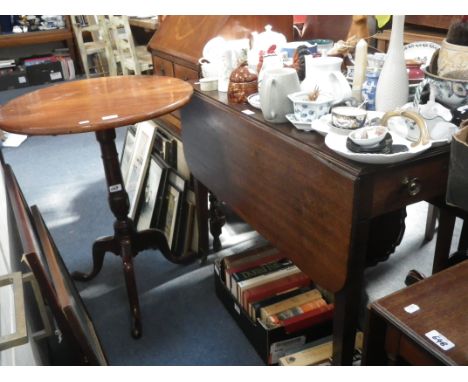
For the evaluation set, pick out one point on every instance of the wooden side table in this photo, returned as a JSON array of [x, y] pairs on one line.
[[419, 324], [100, 105]]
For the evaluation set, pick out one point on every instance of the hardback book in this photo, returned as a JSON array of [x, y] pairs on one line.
[[277, 258], [316, 355], [238, 260], [245, 285], [281, 296], [311, 318], [289, 303], [277, 319], [241, 279], [271, 288], [269, 256]]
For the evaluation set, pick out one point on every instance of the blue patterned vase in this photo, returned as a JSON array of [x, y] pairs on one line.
[[369, 87]]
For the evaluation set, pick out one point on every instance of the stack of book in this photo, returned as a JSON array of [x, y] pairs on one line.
[[271, 289], [273, 296]]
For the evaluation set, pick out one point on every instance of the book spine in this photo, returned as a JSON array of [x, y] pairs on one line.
[[257, 258], [308, 319], [232, 273], [276, 319], [258, 268], [261, 292], [233, 260], [263, 279], [257, 306], [290, 303]]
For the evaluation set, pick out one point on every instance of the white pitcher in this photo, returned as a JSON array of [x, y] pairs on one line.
[[325, 72], [276, 85]]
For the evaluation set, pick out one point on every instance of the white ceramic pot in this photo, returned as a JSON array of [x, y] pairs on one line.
[[277, 84], [325, 73]]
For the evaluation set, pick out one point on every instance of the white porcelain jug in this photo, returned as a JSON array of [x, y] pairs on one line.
[[276, 85], [325, 73]]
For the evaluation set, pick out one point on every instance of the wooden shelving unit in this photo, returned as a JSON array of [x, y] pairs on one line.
[[41, 37]]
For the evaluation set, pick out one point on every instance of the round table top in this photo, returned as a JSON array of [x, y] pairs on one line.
[[93, 104]]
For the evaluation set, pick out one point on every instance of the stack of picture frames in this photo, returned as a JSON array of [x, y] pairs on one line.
[[75, 341], [160, 197]]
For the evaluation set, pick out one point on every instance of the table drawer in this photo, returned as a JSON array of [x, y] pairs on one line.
[[162, 67], [185, 73], [398, 187]]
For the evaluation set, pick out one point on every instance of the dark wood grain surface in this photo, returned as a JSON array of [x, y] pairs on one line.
[[93, 104], [443, 307]]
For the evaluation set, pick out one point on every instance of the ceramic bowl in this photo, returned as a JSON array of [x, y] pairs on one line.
[[348, 117], [451, 93], [306, 110], [208, 84], [368, 136]]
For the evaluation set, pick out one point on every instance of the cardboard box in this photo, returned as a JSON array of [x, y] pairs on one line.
[[270, 344]]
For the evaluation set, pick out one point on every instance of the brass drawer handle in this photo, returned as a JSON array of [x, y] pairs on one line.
[[413, 185]]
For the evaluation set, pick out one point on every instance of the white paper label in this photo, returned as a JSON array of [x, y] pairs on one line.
[[248, 112], [106, 117], [440, 340], [281, 348], [22, 80], [411, 308], [115, 188], [236, 308], [55, 76]]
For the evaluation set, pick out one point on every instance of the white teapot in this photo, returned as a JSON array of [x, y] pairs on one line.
[[263, 41], [325, 73]]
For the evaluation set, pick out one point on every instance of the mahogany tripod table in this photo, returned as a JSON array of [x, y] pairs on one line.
[[101, 105]]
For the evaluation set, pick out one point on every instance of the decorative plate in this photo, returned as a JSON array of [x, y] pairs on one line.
[[337, 143], [304, 126], [254, 100], [421, 51]]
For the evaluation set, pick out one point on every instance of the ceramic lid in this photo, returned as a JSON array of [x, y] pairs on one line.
[[243, 74]]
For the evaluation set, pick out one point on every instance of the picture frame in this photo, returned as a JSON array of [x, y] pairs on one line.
[[42, 257], [166, 147], [69, 300], [151, 200], [127, 151], [174, 205], [135, 178]]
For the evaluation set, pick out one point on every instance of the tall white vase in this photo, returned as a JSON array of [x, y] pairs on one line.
[[392, 88]]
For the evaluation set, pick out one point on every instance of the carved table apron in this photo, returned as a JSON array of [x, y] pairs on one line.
[[301, 196]]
